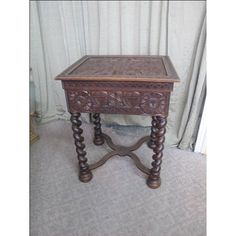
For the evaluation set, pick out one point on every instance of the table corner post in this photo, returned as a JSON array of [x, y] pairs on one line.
[[85, 174], [158, 131]]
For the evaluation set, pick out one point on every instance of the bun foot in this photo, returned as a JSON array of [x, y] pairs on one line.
[[151, 144], [98, 141], [86, 176], [153, 183]]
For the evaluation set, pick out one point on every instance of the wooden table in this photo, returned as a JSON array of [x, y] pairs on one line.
[[137, 85]]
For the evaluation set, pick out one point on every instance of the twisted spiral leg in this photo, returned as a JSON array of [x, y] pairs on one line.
[[98, 139], [154, 180], [85, 174], [151, 142]]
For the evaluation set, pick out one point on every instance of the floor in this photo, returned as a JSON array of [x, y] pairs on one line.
[[117, 202]]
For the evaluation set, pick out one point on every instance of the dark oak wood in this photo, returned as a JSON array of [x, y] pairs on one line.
[[115, 100], [152, 140], [154, 180], [85, 174], [122, 151], [121, 68], [98, 139], [131, 85]]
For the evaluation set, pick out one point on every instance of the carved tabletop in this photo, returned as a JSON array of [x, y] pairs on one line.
[[138, 85]]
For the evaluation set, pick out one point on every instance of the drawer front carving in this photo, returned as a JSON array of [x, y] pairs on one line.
[[118, 101]]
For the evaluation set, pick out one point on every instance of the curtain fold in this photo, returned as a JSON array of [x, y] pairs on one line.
[[196, 90], [63, 31]]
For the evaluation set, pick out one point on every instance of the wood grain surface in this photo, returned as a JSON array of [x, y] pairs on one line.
[[121, 68]]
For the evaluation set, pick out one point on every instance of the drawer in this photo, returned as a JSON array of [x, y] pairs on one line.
[[118, 98]]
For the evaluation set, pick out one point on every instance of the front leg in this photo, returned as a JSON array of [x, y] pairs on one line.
[[151, 142], [85, 175], [154, 180]]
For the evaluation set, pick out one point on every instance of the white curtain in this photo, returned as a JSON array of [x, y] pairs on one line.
[[63, 31]]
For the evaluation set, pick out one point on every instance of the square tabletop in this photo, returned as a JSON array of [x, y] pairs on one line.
[[121, 68]]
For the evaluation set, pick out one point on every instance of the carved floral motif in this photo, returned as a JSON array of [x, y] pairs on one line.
[[122, 102]]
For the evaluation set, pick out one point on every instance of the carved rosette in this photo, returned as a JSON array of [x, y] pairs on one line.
[[153, 102], [122, 102]]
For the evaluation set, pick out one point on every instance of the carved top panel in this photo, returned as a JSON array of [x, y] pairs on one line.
[[121, 68]]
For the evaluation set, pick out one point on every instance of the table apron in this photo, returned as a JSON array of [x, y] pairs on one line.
[[118, 101]]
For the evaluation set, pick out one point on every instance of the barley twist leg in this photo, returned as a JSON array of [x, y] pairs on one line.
[[85, 174], [154, 180], [98, 139]]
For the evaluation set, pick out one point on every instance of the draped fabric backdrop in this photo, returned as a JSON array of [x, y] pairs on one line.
[[63, 31]]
